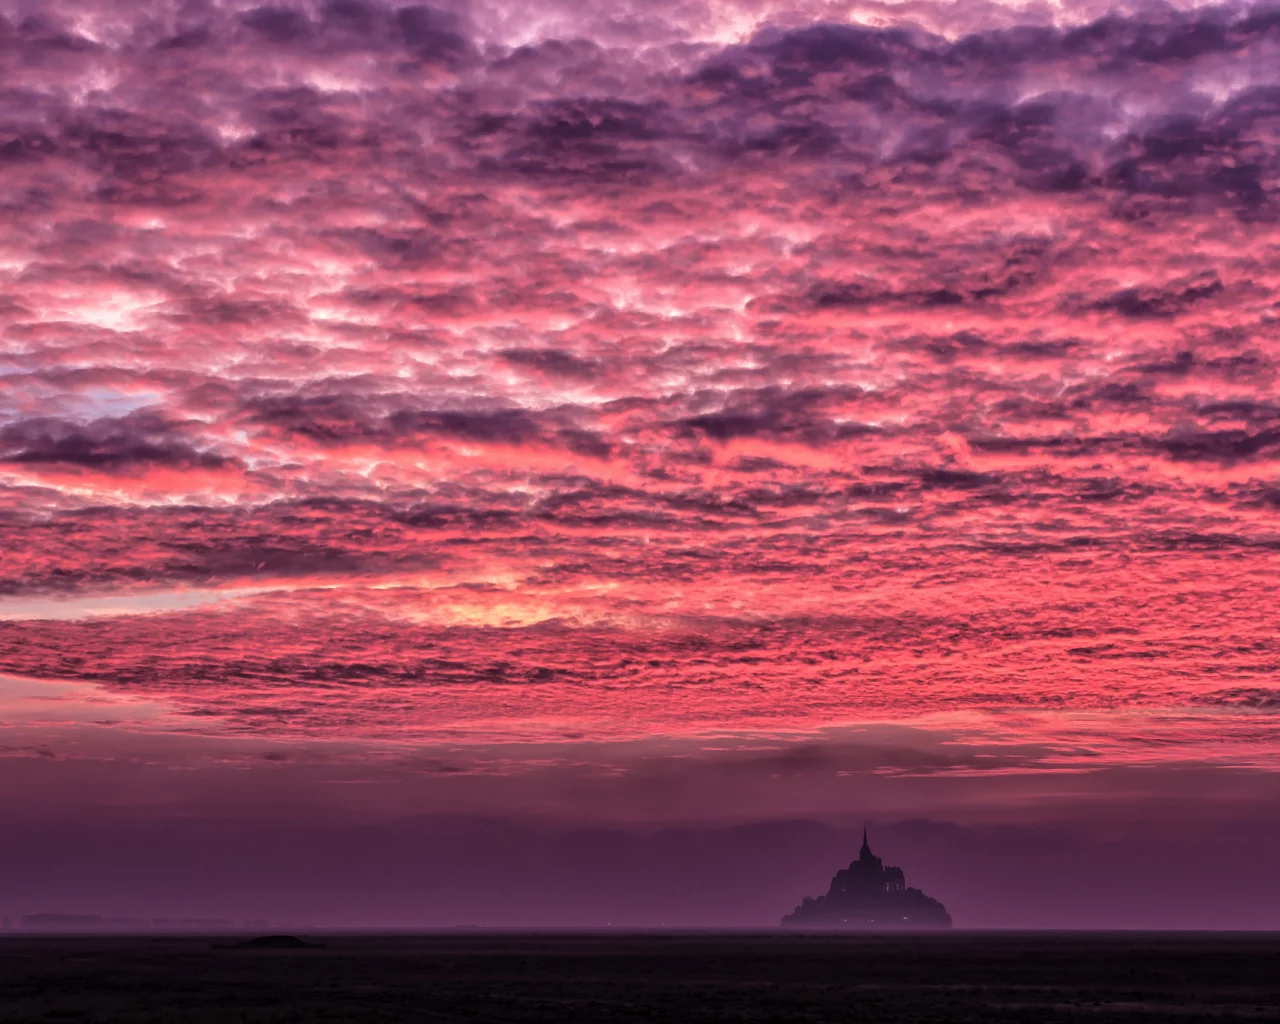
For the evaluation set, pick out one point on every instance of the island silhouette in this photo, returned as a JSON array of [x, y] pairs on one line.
[[274, 942], [868, 895]]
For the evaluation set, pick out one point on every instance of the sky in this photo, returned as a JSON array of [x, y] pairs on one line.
[[542, 464]]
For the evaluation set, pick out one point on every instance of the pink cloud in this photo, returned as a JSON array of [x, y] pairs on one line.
[[732, 371]]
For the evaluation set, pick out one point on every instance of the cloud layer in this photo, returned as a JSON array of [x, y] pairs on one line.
[[677, 371]]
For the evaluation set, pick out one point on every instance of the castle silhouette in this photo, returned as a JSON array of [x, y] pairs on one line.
[[868, 895]]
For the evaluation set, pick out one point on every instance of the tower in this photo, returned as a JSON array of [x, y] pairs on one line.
[[865, 853]]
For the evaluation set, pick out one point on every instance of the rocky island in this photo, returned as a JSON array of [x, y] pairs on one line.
[[869, 896]]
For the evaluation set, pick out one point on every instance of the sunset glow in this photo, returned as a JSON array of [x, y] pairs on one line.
[[570, 393]]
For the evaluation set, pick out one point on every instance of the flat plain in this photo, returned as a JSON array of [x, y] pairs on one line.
[[688, 977]]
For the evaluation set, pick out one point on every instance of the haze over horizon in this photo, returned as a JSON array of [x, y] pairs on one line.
[[527, 465]]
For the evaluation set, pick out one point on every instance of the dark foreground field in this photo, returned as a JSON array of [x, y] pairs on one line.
[[779, 977]]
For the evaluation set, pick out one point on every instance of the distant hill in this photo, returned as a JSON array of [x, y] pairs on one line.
[[276, 942]]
